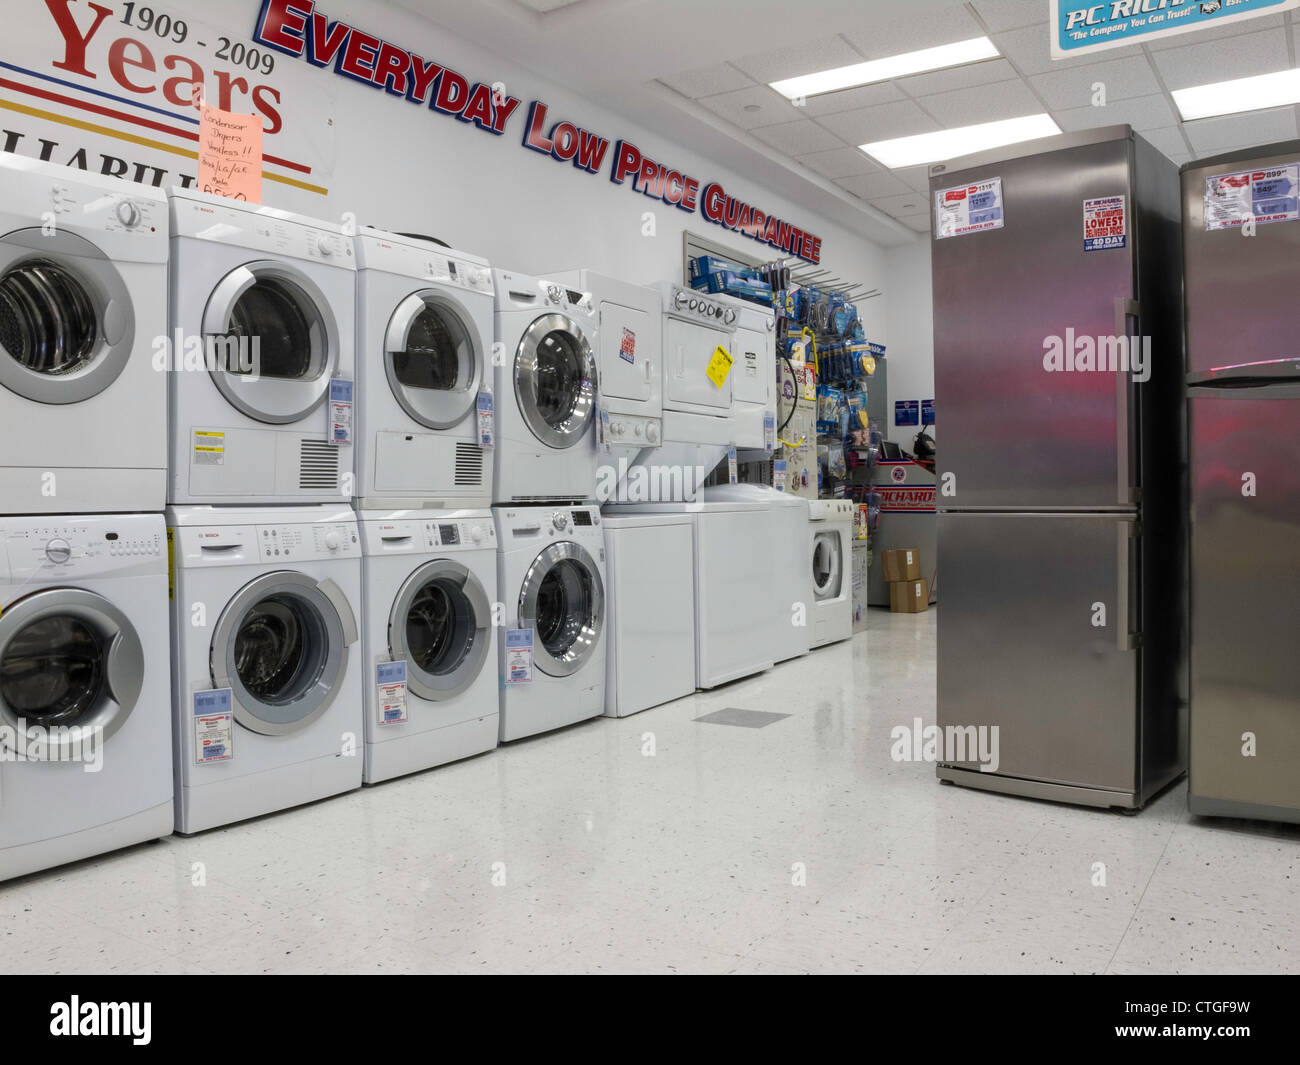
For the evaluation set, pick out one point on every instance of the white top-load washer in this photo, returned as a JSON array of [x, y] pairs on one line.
[[83, 310], [629, 353], [546, 386], [830, 539], [551, 571], [85, 719], [262, 306], [424, 344], [754, 374], [266, 681], [429, 648], [650, 566], [793, 564]]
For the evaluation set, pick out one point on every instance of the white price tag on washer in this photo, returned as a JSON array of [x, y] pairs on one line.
[[487, 421], [769, 432], [731, 464], [778, 474], [214, 726], [519, 656], [390, 686], [340, 411], [603, 444]]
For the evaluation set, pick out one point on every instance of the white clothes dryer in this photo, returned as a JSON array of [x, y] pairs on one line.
[[262, 319], [754, 374], [429, 647], [83, 310], [830, 540], [424, 349], [85, 718], [266, 682]]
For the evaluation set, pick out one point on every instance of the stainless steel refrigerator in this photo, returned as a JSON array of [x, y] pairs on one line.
[[1242, 305], [1061, 484]]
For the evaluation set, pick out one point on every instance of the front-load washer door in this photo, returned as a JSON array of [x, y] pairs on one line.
[[70, 661], [433, 358], [827, 565], [555, 381], [281, 647], [67, 325], [562, 599], [271, 342], [441, 623]]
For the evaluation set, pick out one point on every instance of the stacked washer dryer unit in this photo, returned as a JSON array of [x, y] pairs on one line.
[[551, 560], [266, 678], [85, 729], [754, 374], [830, 545]]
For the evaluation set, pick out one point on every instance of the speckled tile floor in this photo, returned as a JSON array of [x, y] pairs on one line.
[[798, 847]]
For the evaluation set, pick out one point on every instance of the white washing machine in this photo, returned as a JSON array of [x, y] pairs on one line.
[[429, 648], [266, 682], [546, 387], [83, 633], [650, 568], [629, 353], [267, 299], [754, 374], [551, 572], [83, 304], [424, 343], [830, 539]]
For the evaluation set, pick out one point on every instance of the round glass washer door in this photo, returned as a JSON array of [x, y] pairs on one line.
[[433, 358], [555, 380], [281, 647], [67, 325], [562, 599], [441, 623], [271, 342], [826, 565], [69, 660]]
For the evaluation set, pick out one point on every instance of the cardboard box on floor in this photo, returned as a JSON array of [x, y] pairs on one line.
[[901, 564], [909, 597]]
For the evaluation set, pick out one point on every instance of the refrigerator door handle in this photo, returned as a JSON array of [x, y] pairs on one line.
[[1126, 312], [1125, 533]]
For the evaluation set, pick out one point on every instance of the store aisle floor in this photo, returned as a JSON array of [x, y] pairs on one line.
[[659, 843]]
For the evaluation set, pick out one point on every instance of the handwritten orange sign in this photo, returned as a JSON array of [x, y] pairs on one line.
[[230, 154]]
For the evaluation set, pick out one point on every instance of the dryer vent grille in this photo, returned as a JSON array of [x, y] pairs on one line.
[[469, 465], [318, 464]]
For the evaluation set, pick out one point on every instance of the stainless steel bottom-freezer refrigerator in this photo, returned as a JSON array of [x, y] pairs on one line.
[[1242, 303], [1061, 481]]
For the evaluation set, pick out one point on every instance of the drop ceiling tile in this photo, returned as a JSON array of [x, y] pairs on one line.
[[982, 73], [1122, 79], [750, 108], [1233, 29], [708, 81], [1233, 57], [1008, 14], [797, 138], [982, 103], [917, 178], [898, 119], [906, 206], [919, 222], [832, 103], [876, 40], [794, 59], [1141, 112], [875, 186], [1212, 135], [1030, 50], [1168, 142], [840, 162]]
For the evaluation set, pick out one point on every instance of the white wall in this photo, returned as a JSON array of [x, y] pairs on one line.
[[910, 333]]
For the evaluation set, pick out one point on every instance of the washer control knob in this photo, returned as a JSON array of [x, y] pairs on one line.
[[476, 534], [652, 432], [680, 298], [333, 540], [325, 246], [638, 429], [560, 520], [128, 213], [58, 551]]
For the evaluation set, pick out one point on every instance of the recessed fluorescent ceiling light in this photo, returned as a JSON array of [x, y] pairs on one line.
[[951, 143], [894, 66], [1243, 94]]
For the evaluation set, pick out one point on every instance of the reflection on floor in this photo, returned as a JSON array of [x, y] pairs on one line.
[[657, 843]]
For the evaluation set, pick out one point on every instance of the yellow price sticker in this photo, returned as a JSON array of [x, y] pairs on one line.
[[719, 366]]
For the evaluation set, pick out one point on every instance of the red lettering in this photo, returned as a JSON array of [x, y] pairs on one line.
[[268, 111], [690, 194], [74, 41], [423, 75], [358, 59], [645, 179], [479, 108], [282, 26], [713, 202], [326, 39], [171, 87], [756, 221], [673, 190], [453, 93], [119, 60], [591, 151], [533, 136], [816, 254], [627, 161], [224, 84], [564, 141], [502, 111], [391, 67]]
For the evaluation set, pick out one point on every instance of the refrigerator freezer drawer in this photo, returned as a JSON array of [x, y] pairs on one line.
[[1245, 701], [1035, 638]]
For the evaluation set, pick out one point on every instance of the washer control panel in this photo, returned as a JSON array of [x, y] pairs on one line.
[[635, 430], [59, 549], [687, 303]]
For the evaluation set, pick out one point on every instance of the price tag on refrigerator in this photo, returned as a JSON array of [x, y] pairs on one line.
[[340, 411], [731, 464], [769, 432], [487, 421], [519, 656], [1270, 194], [214, 726], [390, 686], [967, 209]]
